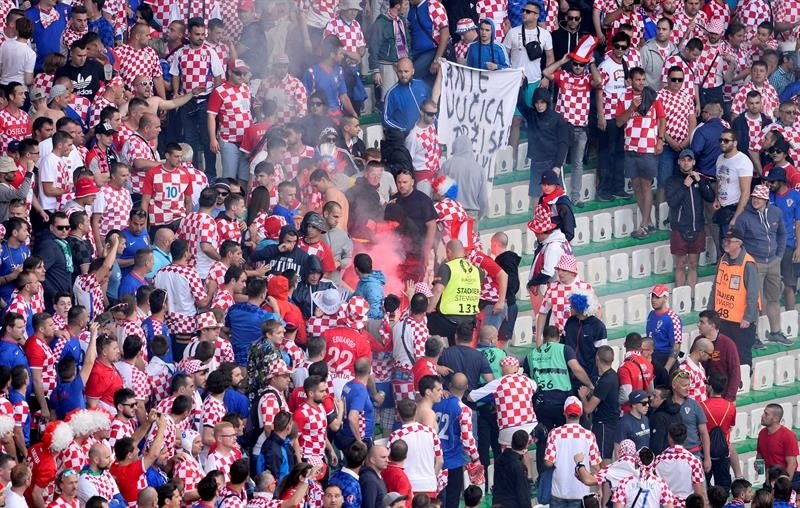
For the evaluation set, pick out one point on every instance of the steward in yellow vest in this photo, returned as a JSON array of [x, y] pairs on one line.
[[456, 293]]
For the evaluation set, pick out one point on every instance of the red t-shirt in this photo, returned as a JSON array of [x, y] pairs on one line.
[[636, 371], [396, 480], [103, 382], [721, 411], [422, 367], [128, 478], [252, 135], [298, 397], [774, 448], [344, 347], [43, 469]]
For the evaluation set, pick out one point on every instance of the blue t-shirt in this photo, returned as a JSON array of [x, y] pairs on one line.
[[351, 489], [15, 398], [284, 212], [47, 40], [332, 84], [637, 430], [114, 279], [129, 284], [152, 328], [789, 205], [661, 329], [12, 355], [11, 258], [448, 414], [132, 244], [67, 397], [356, 398], [236, 402], [72, 348], [244, 320], [467, 360]]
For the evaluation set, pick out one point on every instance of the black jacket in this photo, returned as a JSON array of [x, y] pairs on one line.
[[686, 203], [564, 41], [57, 278], [550, 131], [660, 420], [272, 452], [302, 295], [509, 262], [365, 205], [511, 481], [743, 131], [372, 488]]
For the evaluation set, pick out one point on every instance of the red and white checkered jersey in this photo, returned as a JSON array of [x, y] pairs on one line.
[[59, 502], [689, 78], [562, 445], [697, 379], [197, 228], [120, 429], [160, 378], [81, 105], [291, 162], [291, 348], [467, 436], [641, 132], [556, 301], [21, 412], [269, 406], [69, 36], [744, 57], [323, 252], [497, 11], [658, 492], [450, 216], [461, 50], [128, 327], [100, 102], [752, 13], [213, 411], [166, 189], [132, 62], [43, 81], [223, 299], [229, 10], [137, 148], [438, 17], [613, 75], [289, 94], [103, 484], [89, 293], [514, 400], [632, 18], [190, 473], [21, 306], [217, 272], [216, 460], [228, 230], [551, 16], [5, 7], [675, 465], [426, 153], [135, 379], [75, 455], [13, 127], [230, 499], [423, 446], [317, 325], [196, 67], [490, 291], [788, 11], [350, 34], [184, 287], [41, 357], [755, 132], [682, 20], [710, 66], [232, 105], [677, 108], [573, 96], [718, 10], [312, 424], [769, 99]]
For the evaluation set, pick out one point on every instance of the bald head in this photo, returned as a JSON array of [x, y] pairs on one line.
[[378, 457], [362, 367], [458, 384], [163, 239], [148, 497], [405, 70], [454, 249], [703, 345], [148, 119], [139, 29], [99, 450], [487, 334]]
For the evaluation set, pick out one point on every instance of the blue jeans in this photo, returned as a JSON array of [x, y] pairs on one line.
[[667, 162], [557, 502], [234, 162], [195, 132], [612, 172], [490, 317]]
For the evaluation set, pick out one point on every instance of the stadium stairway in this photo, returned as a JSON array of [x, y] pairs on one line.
[[622, 270]]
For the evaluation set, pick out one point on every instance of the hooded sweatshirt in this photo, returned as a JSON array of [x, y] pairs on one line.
[[549, 128], [479, 54], [302, 295], [370, 286], [278, 288], [469, 175]]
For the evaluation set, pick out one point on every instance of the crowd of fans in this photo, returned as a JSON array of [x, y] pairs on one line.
[[311, 321]]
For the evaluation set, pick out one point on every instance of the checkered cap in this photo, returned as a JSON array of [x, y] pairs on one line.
[[541, 222], [206, 320], [760, 191], [715, 26], [194, 366], [465, 25], [659, 290], [356, 311], [568, 263], [277, 368], [509, 361], [422, 287]]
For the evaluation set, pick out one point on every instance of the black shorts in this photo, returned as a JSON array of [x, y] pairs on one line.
[[604, 434]]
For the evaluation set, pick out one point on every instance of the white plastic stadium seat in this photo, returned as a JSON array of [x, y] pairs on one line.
[[637, 308], [640, 264], [523, 282], [789, 323], [523, 334], [601, 227], [663, 216], [742, 427], [519, 200], [755, 422], [662, 259], [582, 270], [618, 269], [497, 203], [596, 271], [682, 299], [702, 292], [582, 231], [796, 411], [788, 415], [614, 313], [504, 160], [373, 135], [619, 354], [762, 327], [744, 375], [523, 162], [514, 239], [530, 241], [623, 223], [785, 372], [763, 374], [588, 185], [709, 255]]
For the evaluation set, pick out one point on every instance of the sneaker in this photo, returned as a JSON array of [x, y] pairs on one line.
[[641, 233], [651, 228], [604, 198], [759, 345], [621, 195], [780, 338]]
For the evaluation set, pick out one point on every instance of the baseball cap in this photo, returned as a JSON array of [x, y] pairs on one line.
[[13, 145], [686, 152], [734, 233], [550, 177], [659, 290], [573, 406], [37, 94], [776, 175], [393, 497], [7, 165], [57, 91], [105, 128], [637, 396], [240, 66], [85, 187]]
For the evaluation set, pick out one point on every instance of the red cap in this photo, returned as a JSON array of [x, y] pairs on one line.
[[85, 187], [659, 290]]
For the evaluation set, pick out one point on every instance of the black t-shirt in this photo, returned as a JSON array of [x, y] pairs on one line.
[[471, 362], [607, 390], [86, 79], [418, 208]]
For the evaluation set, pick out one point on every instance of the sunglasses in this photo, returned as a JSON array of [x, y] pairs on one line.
[[621, 46], [578, 64], [63, 228], [676, 80], [430, 113], [772, 149], [725, 140], [644, 403], [528, 11], [573, 18]]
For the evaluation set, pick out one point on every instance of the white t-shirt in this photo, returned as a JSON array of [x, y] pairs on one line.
[[74, 159], [14, 500], [179, 292], [48, 172], [16, 58], [728, 173], [518, 55]]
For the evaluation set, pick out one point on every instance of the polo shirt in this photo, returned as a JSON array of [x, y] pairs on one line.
[[103, 382]]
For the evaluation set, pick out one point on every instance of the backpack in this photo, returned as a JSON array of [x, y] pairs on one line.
[[719, 448]]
